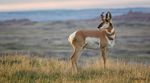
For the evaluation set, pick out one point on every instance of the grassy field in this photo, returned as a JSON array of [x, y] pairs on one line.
[[26, 69]]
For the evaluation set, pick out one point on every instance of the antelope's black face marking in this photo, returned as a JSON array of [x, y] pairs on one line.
[[104, 24], [100, 25]]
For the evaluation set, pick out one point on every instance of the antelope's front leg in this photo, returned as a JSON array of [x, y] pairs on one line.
[[103, 53]]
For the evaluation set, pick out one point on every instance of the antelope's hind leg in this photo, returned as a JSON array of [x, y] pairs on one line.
[[77, 49], [76, 53]]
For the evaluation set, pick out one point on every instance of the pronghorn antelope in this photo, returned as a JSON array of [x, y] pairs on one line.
[[93, 39]]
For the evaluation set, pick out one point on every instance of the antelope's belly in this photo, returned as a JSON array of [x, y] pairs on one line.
[[92, 43]]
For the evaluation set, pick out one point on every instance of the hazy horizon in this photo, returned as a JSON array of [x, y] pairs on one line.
[[17, 5]]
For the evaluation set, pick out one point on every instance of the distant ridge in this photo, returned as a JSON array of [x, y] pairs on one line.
[[17, 21], [133, 16]]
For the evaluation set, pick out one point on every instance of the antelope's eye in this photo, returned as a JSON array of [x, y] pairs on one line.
[[101, 24], [107, 20]]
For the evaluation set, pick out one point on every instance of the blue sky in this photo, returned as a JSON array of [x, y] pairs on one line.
[[20, 5]]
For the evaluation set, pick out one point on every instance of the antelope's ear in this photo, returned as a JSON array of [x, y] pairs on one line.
[[108, 16], [102, 16]]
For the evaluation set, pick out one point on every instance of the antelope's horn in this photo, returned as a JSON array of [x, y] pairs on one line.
[[102, 16], [108, 15]]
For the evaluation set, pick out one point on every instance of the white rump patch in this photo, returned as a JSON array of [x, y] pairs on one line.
[[71, 37], [92, 43]]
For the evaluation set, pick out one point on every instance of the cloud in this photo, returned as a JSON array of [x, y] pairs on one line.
[[70, 4]]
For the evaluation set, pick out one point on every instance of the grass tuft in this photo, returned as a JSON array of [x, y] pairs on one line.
[[25, 69]]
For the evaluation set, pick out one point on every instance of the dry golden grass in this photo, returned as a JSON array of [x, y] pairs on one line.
[[25, 69]]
